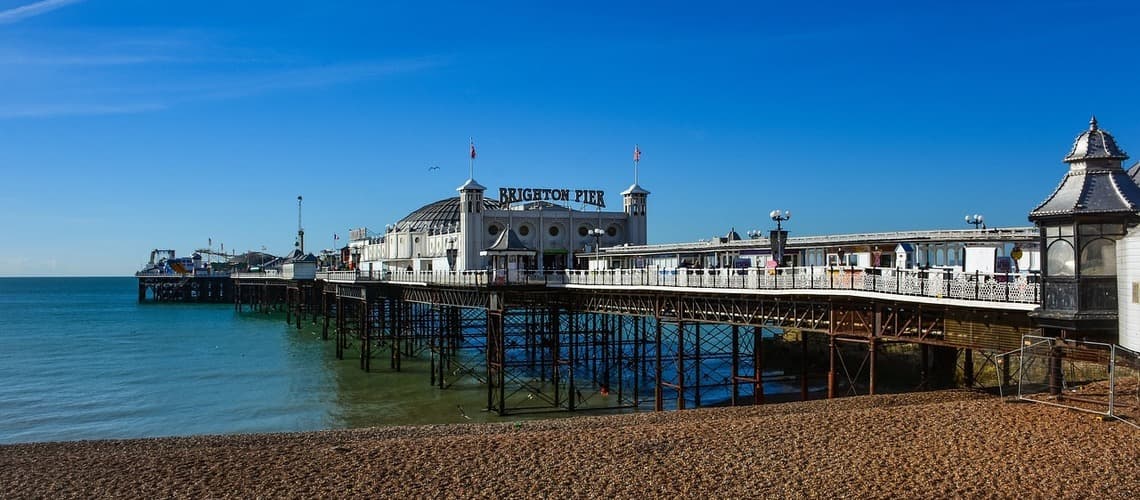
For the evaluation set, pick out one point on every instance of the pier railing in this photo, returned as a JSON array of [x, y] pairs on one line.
[[270, 273], [198, 273], [459, 278], [935, 283]]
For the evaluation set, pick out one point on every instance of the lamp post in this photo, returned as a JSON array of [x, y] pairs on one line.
[[755, 234], [976, 220], [597, 233], [779, 217], [779, 237]]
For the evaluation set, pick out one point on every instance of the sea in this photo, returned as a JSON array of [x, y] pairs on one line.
[[81, 359]]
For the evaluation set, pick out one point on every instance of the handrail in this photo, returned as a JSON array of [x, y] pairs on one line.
[[1019, 288]]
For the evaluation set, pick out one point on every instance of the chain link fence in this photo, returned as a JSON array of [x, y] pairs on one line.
[[1087, 376]]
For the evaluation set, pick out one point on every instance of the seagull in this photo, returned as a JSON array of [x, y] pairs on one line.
[[433, 167]]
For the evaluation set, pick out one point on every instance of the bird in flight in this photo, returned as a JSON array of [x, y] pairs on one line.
[[433, 167]]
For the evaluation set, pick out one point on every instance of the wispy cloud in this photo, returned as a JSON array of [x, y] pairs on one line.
[[140, 95], [17, 14], [51, 110]]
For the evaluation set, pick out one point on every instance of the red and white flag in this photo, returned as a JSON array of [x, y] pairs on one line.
[[636, 153]]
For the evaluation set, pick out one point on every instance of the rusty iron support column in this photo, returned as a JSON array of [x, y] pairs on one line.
[[555, 336], [924, 367], [735, 365], [696, 365], [638, 358], [573, 337], [300, 311], [831, 366], [496, 393], [873, 354], [365, 335], [1005, 370], [758, 365], [325, 308], [871, 347], [803, 366], [658, 392], [968, 367], [680, 365], [340, 327]]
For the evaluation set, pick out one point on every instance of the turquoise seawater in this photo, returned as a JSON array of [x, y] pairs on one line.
[[81, 359]]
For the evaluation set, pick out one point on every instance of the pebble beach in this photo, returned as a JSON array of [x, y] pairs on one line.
[[933, 445]]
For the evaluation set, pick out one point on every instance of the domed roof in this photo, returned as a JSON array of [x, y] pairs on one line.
[[1095, 143], [440, 215]]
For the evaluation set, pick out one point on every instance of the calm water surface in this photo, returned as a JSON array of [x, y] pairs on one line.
[[81, 359]]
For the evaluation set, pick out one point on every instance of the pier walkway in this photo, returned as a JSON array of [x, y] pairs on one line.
[[1008, 291]]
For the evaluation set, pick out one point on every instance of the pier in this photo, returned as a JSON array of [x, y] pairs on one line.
[[572, 340], [555, 309]]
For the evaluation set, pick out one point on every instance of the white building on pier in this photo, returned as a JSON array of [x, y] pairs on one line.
[[529, 228]]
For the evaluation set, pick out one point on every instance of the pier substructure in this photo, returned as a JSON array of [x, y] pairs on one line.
[[538, 349], [174, 288]]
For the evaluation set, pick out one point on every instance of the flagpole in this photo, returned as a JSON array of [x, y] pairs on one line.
[[636, 159], [471, 167]]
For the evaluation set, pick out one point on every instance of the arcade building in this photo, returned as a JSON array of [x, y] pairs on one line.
[[525, 228]]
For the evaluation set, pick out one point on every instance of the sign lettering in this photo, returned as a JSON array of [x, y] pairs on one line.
[[586, 196]]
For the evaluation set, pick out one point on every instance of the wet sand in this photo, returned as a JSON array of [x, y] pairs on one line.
[[933, 445]]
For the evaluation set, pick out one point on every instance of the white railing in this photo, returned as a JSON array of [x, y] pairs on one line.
[[198, 273], [1014, 288], [935, 283], [270, 273]]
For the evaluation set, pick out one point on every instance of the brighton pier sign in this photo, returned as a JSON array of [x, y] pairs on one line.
[[587, 196]]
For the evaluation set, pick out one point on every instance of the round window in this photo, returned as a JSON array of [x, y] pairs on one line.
[[553, 230], [493, 230], [582, 231], [524, 230], [417, 239], [611, 231]]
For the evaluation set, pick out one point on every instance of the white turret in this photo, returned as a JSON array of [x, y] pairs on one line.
[[634, 200], [470, 225]]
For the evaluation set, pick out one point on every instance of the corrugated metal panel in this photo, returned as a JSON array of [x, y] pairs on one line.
[[1000, 334]]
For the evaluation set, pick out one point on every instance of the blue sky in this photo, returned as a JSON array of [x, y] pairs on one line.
[[130, 125]]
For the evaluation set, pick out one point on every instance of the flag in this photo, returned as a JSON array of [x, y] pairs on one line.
[[335, 237], [209, 242], [636, 153], [472, 150]]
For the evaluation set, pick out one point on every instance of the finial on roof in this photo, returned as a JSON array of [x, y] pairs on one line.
[[1092, 123]]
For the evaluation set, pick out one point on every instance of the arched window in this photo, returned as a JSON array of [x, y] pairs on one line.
[[1059, 258], [1059, 254], [1098, 258]]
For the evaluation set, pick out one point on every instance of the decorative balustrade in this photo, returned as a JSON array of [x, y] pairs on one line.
[[269, 273], [937, 283]]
